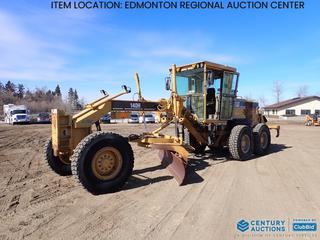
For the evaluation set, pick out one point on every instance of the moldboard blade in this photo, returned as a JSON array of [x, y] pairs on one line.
[[174, 164]]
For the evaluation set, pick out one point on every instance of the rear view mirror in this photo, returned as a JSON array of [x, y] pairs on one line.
[[168, 83]]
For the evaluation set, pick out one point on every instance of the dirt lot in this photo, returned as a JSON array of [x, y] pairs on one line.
[[36, 203]]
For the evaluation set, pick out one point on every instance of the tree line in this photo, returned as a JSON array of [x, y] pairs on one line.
[[39, 99]]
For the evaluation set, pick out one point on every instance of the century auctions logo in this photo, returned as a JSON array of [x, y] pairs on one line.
[[258, 225], [242, 225]]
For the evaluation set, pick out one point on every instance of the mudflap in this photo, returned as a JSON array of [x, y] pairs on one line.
[[174, 159]]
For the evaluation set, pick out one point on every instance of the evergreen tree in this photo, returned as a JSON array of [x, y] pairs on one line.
[[77, 104], [57, 91], [20, 93], [10, 87], [76, 97], [71, 97]]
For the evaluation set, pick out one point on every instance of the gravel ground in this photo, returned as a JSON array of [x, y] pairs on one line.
[[35, 203]]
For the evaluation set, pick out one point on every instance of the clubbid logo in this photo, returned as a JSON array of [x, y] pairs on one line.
[[304, 225], [242, 225]]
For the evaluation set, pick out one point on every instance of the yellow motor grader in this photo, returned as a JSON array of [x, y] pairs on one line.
[[312, 120], [205, 111]]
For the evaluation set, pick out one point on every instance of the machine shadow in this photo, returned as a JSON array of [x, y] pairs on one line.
[[219, 156], [136, 182], [196, 163], [274, 148]]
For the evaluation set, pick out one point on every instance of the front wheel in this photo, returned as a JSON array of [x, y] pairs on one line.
[[240, 142], [102, 162]]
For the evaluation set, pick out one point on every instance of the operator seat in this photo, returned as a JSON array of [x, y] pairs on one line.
[[211, 102], [188, 99]]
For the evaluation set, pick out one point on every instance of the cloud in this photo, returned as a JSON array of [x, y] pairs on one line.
[[29, 51], [181, 53], [45, 47], [20, 52], [55, 46], [173, 45]]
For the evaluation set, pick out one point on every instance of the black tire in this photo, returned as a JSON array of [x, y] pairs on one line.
[[54, 162], [238, 133], [262, 139], [81, 162], [192, 141]]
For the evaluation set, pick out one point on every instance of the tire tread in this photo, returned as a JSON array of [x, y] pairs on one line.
[[79, 151], [233, 142], [51, 161]]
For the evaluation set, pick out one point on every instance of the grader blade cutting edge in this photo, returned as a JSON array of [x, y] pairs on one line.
[[174, 159]]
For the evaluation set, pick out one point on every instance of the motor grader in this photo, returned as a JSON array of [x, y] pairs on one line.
[[312, 120], [203, 107]]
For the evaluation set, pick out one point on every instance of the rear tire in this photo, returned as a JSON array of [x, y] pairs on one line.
[[55, 163], [240, 142], [262, 139], [102, 162]]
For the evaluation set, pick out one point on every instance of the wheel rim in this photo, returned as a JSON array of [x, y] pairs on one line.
[[264, 140], [245, 143], [107, 163]]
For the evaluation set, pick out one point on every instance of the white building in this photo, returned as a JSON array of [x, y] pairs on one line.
[[294, 107]]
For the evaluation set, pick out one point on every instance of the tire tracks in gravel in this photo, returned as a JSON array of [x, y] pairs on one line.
[[179, 207], [170, 225]]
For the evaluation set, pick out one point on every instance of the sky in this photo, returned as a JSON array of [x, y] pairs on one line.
[[102, 49]]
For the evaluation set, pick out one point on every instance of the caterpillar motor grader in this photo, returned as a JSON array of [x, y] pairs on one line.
[[312, 120], [205, 111]]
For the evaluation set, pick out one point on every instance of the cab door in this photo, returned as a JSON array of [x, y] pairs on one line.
[[228, 93]]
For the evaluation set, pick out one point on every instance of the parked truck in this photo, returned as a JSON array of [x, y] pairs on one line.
[[14, 114]]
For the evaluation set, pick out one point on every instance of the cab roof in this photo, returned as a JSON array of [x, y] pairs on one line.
[[209, 66]]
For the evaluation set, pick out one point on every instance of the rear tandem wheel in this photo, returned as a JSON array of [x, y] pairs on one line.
[[240, 142], [262, 139]]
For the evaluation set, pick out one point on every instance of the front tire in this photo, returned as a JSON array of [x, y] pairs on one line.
[[240, 142], [63, 168], [262, 139], [102, 162]]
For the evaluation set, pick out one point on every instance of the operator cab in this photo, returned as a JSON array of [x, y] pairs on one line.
[[209, 89]]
